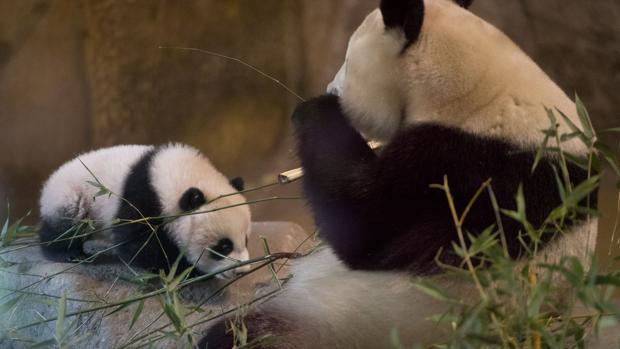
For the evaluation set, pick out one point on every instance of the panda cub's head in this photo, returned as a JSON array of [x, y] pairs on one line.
[[186, 185], [414, 61]]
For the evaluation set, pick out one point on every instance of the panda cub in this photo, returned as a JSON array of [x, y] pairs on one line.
[[147, 181], [449, 95]]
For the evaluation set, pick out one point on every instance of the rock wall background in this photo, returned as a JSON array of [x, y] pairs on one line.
[[76, 75]]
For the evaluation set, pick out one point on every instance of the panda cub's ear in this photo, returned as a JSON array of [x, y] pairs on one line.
[[406, 15], [238, 183]]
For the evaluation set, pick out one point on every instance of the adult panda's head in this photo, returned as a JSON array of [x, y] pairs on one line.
[[434, 61], [186, 184]]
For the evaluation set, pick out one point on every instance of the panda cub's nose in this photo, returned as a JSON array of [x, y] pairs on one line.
[[223, 248]]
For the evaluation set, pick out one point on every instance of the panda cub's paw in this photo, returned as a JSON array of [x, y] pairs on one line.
[[316, 109]]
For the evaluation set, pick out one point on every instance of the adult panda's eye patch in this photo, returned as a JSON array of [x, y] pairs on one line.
[[192, 199]]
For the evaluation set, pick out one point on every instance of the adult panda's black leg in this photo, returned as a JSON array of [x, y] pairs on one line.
[[338, 181]]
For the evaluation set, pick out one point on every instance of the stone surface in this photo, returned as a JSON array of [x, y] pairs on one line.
[[99, 283]]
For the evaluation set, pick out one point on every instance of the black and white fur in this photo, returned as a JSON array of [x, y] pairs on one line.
[[152, 182], [449, 95]]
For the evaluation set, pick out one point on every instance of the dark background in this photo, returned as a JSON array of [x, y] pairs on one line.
[[78, 74]]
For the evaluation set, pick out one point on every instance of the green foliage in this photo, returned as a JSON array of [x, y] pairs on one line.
[[11, 232]]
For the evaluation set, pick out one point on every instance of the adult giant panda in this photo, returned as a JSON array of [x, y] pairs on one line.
[[449, 95], [147, 182]]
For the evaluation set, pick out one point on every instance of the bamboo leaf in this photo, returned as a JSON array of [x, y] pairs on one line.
[[610, 279], [609, 156], [12, 232], [4, 230], [119, 308], [584, 118], [581, 162], [574, 128], [176, 281], [267, 250], [49, 343], [539, 153], [482, 242], [520, 199], [8, 305], [434, 292], [568, 136], [543, 147], [512, 214], [173, 269], [581, 191], [5, 264], [60, 318], [140, 279], [173, 316], [94, 184], [610, 130], [136, 314], [559, 184], [557, 214]]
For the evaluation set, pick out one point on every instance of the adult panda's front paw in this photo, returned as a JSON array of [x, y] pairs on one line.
[[316, 109]]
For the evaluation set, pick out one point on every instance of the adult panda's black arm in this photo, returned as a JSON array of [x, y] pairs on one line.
[[379, 212], [337, 163]]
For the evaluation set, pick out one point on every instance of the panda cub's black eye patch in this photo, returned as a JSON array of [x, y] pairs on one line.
[[223, 248], [192, 199]]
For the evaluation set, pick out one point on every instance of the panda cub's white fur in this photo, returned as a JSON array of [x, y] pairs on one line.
[[67, 191], [156, 178]]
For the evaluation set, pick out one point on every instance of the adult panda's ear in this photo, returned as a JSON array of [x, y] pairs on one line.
[[464, 3], [238, 183], [408, 15]]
